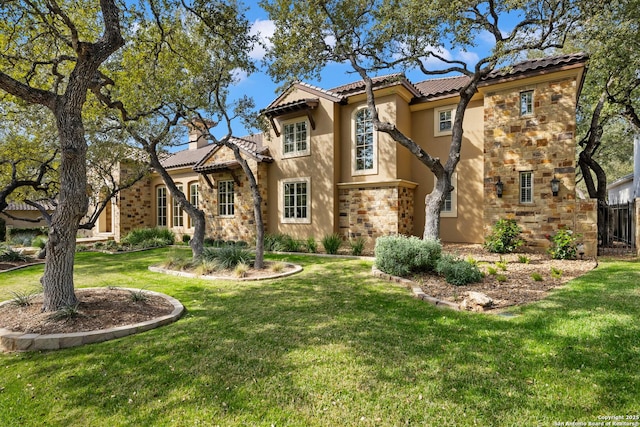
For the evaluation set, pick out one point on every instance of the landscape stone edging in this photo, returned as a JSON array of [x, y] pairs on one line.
[[415, 289], [21, 266], [296, 269], [20, 341]]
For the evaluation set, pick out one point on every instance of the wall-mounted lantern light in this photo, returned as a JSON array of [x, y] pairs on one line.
[[499, 188], [555, 185]]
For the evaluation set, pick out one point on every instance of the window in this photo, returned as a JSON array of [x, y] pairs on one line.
[[526, 103], [161, 206], [194, 195], [450, 206], [295, 138], [365, 153], [443, 120], [178, 217], [526, 187], [225, 198], [295, 201]]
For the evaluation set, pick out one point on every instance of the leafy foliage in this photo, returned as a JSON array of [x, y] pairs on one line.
[[357, 245], [563, 244], [457, 271], [402, 255], [156, 236], [504, 237], [8, 254]]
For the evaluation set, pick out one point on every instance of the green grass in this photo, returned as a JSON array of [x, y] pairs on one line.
[[333, 346]]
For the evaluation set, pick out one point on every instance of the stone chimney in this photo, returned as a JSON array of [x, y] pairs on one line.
[[196, 139]]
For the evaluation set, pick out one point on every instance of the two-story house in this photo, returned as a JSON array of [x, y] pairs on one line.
[[323, 169]]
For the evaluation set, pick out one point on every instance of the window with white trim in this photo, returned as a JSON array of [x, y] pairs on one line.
[[161, 206], [194, 194], [526, 187], [450, 206], [295, 200], [443, 120], [178, 213], [526, 103], [295, 138], [225, 198], [365, 149]]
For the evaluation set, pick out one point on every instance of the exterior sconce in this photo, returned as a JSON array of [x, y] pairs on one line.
[[499, 188], [555, 185]]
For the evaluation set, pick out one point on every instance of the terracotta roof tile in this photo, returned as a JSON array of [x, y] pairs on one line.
[[186, 158], [433, 88]]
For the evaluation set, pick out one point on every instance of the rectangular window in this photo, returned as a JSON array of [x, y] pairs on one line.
[[447, 205], [161, 206], [194, 195], [365, 146], [295, 201], [178, 214], [225, 198], [295, 138], [443, 120], [526, 187], [526, 103], [450, 206]]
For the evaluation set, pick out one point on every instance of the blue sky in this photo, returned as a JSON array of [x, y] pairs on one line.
[[262, 88]]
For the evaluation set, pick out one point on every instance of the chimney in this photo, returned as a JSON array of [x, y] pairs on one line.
[[196, 139]]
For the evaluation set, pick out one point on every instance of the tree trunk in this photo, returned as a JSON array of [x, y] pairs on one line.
[[57, 281], [432, 206]]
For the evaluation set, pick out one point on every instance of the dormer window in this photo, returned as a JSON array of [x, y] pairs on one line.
[[295, 138]]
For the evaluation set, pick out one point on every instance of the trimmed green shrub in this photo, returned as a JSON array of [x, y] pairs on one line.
[[186, 239], [228, 256], [274, 242], [140, 235], [458, 271], [563, 244], [504, 237], [39, 242], [331, 243], [402, 255]]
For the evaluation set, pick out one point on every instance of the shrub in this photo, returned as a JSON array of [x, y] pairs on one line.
[[492, 270], [136, 237], [536, 277], [331, 243], [291, 244], [23, 298], [10, 255], [504, 237], [312, 245], [228, 256], [138, 296], [502, 264], [458, 271], [241, 270], [563, 244], [501, 278], [186, 239], [275, 242], [357, 246], [39, 242], [402, 255], [277, 267]]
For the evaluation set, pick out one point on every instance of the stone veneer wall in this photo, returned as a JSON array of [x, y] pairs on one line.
[[371, 212], [586, 225], [242, 225], [543, 143], [134, 208]]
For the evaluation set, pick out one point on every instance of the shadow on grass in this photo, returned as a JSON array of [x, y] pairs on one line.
[[333, 345]]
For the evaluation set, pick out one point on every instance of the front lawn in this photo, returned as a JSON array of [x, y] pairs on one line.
[[334, 346]]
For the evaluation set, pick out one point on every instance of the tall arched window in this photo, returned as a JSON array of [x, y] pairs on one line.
[[364, 150]]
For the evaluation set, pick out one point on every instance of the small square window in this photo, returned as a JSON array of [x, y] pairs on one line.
[[443, 120], [526, 103], [295, 138]]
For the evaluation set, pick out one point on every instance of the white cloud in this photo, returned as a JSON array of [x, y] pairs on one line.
[[264, 29]]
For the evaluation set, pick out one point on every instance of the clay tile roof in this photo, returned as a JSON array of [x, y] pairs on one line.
[[537, 64], [378, 82], [434, 88], [21, 206], [250, 144], [186, 158]]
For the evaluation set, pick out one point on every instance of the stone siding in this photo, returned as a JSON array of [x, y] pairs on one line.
[[542, 143], [240, 226], [586, 225], [135, 206], [371, 212]]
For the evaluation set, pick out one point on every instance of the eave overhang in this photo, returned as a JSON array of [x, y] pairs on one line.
[[306, 106]]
